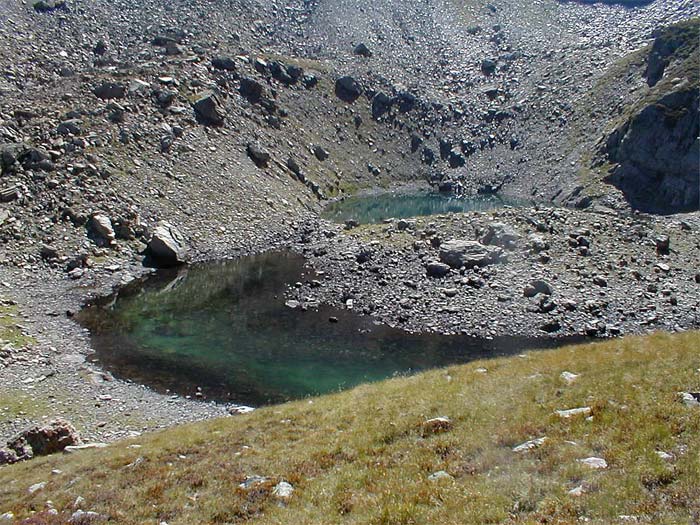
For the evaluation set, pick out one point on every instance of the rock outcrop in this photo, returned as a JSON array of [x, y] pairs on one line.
[[657, 152], [40, 441]]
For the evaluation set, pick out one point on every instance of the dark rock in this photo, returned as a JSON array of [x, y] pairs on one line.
[[259, 155], [309, 80], [406, 101], [551, 326], [209, 110], [347, 89], [381, 103], [69, 127], [109, 90], [416, 142], [445, 148], [251, 90], [362, 50], [48, 253], [100, 48], [488, 66], [47, 6], [437, 269], [320, 153], [172, 48], [663, 244], [223, 63], [658, 155], [600, 281], [456, 159]]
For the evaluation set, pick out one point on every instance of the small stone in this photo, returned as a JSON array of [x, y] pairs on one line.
[[86, 517], [664, 455], [538, 286], [566, 414], [259, 155], [36, 487], [594, 463], [362, 50], [600, 281], [87, 446], [437, 425], [283, 491], [529, 445], [240, 410], [663, 244], [437, 269], [439, 476], [568, 377], [167, 246], [691, 399], [577, 491], [101, 225], [252, 481]]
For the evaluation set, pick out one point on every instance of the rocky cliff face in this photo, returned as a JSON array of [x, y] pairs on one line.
[[657, 152]]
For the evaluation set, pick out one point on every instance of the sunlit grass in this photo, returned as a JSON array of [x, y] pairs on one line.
[[361, 456]]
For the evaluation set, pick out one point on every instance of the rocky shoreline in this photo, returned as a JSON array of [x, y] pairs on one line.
[[545, 272]]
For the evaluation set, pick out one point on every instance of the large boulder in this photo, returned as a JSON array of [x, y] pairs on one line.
[[457, 253], [167, 246], [210, 110], [40, 441], [347, 89], [250, 89]]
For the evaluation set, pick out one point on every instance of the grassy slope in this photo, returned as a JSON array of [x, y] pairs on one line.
[[360, 456]]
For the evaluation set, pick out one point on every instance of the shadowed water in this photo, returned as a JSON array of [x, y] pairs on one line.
[[224, 327], [374, 208]]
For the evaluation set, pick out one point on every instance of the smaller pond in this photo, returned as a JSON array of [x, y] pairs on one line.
[[225, 327], [377, 207]]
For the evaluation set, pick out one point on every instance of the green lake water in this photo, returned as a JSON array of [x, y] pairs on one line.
[[224, 327], [377, 207]]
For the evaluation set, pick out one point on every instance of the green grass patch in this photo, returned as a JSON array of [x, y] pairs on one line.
[[361, 456], [10, 332]]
